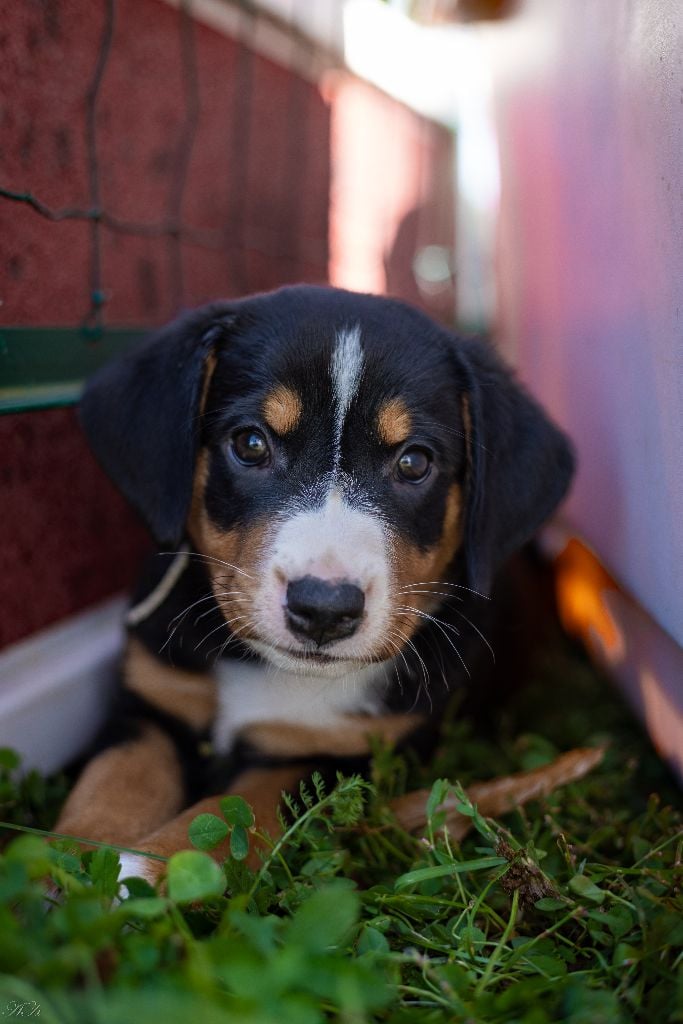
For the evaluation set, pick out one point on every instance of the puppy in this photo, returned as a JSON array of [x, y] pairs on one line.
[[334, 480]]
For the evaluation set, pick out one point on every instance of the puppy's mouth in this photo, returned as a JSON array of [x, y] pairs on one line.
[[307, 661], [320, 657], [301, 662]]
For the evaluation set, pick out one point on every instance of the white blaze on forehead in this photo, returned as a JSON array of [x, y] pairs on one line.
[[332, 534], [346, 369]]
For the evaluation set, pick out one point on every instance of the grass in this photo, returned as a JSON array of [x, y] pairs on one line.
[[567, 910]]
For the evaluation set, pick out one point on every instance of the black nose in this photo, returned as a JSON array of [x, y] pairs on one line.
[[323, 611]]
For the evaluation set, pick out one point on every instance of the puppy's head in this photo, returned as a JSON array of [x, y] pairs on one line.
[[339, 460]]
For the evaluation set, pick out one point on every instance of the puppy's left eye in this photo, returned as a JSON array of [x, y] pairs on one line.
[[414, 465], [250, 447]]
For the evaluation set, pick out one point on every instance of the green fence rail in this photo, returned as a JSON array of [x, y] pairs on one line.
[[44, 367]]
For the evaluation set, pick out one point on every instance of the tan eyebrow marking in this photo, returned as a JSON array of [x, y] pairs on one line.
[[282, 409], [394, 422]]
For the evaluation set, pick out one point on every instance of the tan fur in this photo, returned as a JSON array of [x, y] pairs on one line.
[[209, 367], [227, 549], [413, 565], [350, 738], [282, 410], [201, 477], [420, 571], [260, 787], [242, 547], [394, 422], [189, 696], [125, 791]]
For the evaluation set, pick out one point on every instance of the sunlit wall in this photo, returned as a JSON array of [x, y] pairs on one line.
[[589, 100]]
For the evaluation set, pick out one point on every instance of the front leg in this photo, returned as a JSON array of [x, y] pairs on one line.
[[126, 790], [143, 776], [348, 741], [260, 787]]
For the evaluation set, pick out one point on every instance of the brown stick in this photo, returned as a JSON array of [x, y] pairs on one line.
[[499, 795]]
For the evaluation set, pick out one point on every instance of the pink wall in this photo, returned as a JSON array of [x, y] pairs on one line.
[[391, 196], [590, 114]]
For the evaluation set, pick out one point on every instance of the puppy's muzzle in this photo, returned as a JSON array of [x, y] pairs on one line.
[[323, 610]]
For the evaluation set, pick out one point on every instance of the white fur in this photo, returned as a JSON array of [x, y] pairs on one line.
[[330, 533], [346, 369], [333, 542], [134, 865], [250, 693]]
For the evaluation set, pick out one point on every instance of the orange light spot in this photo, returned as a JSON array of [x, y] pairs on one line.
[[582, 589]]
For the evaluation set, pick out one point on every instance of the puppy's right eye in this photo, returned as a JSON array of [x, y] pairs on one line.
[[250, 447], [414, 465]]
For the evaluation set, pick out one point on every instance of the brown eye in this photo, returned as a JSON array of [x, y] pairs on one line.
[[414, 465], [250, 447]]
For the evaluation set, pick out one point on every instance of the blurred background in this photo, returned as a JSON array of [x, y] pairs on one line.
[[512, 167]]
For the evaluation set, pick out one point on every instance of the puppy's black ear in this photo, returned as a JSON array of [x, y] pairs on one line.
[[519, 464], [140, 414]]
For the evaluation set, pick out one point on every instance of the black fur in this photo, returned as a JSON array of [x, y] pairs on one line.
[[142, 417], [131, 713], [521, 465]]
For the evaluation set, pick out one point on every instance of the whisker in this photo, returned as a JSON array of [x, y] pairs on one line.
[[477, 631], [408, 589], [432, 618], [405, 662], [232, 638], [189, 608], [384, 664], [462, 616], [440, 625], [209, 558], [221, 625], [425, 674], [219, 607], [442, 583], [438, 593], [411, 646], [437, 649], [194, 604], [179, 619]]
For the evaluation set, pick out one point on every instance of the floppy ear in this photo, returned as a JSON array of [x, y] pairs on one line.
[[519, 464], [140, 414]]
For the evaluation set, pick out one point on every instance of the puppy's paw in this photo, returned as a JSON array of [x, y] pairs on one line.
[[135, 865]]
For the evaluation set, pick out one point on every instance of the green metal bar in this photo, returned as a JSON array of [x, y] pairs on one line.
[[44, 367]]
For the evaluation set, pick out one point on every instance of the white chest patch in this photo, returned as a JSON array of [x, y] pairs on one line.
[[250, 693]]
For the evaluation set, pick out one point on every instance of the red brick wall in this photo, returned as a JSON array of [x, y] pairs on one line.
[[68, 538], [261, 155], [245, 153]]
